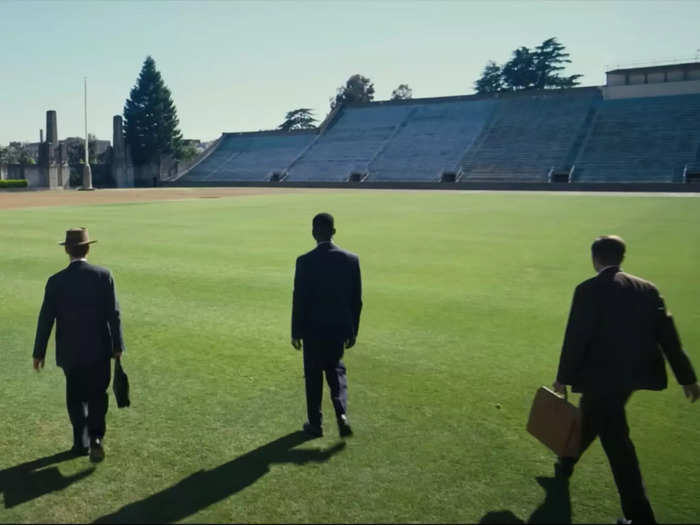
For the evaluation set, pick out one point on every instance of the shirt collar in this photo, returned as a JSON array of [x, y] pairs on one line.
[[82, 259], [604, 268]]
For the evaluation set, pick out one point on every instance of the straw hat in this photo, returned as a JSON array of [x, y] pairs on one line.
[[76, 237]]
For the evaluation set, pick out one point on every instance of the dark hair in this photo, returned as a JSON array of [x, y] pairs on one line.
[[608, 250], [323, 225], [78, 252]]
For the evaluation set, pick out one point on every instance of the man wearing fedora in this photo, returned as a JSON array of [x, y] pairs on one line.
[[326, 309], [82, 300]]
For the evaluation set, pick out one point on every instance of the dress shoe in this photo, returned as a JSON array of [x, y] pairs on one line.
[[313, 430], [79, 450], [344, 426], [97, 453]]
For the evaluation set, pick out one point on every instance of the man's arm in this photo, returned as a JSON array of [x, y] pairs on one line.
[[356, 296], [579, 332], [670, 343], [47, 315], [114, 319], [298, 304]]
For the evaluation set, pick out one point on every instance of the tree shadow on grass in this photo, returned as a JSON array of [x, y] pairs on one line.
[[31, 480], [556, 507], [206, 487]]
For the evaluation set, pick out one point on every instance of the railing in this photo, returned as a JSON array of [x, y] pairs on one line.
[[657, 62]]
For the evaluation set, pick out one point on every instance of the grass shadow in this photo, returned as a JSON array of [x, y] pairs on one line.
[[206, 487], [31, 480], [556, 507]]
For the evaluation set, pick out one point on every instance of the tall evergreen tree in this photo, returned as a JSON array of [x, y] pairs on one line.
[[150, 117]]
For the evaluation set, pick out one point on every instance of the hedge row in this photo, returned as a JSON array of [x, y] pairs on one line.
[[13, 183]]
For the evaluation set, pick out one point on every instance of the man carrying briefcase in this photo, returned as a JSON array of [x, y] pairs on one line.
[[617, 330], [82, 300]]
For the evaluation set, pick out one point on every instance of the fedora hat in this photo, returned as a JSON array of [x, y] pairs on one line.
[[76, 237]]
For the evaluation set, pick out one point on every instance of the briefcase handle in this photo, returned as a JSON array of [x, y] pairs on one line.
[[565, 396]]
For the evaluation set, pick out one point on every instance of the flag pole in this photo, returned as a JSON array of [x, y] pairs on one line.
[[87, 172]]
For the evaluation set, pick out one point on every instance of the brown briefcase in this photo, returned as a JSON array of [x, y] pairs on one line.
[[555, 422]]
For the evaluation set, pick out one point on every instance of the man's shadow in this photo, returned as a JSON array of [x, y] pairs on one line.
[[30, 480], [206, 487], [556, 507]]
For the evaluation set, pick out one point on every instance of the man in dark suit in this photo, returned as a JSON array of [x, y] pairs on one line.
[[82, 300], [326, 316], [617, 336]]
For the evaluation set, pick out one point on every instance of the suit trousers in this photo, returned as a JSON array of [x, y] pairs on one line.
[[603, 415], [324, 355], [86, 400]]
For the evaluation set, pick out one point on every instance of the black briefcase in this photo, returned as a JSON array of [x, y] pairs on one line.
[[120, 385]]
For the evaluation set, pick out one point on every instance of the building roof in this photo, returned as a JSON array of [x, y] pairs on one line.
[[650, 69]]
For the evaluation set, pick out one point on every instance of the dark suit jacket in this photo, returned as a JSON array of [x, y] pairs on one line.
[[617, 336], [327, 294], [82, 300]]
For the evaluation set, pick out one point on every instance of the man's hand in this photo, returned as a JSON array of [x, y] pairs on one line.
[[117, 355], [559, 388], [296, 343], [692, 392], [349, 343], [38, 364]]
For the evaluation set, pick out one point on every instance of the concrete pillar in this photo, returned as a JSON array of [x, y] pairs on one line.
[[51, 128], [117, 134]]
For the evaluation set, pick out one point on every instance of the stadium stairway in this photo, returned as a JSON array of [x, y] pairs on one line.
[[432, 139], [530, 134], [350, 144], [245, 157], [641, 140]]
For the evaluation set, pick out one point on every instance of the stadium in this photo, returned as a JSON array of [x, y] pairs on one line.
[[638, 131], [466, 293]]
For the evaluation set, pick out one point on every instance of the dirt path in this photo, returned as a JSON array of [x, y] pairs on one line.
[[44, 198]]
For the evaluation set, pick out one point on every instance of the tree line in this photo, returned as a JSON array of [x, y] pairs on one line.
[[151, 122]]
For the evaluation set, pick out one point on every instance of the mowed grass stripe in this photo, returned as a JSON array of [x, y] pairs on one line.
[[466, 298]]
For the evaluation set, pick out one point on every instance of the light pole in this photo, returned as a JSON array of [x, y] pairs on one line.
[[87, 173]]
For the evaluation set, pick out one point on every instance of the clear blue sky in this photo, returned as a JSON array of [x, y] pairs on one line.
[[240, 66]]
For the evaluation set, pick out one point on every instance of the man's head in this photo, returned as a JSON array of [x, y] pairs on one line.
[[322, 227], [77, 243], [607, 250]]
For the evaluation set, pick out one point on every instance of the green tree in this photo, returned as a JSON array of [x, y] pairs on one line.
[[301, 118], [403, 92], [75, 147], [15, 154], [519, 72], [150, 117], [550, 57], [529, 69], [357, 89], [491, 80]]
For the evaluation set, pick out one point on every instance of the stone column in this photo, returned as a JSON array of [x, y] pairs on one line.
[[51, 128]]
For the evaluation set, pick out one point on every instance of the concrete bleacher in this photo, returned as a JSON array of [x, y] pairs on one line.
[[357, 136], [432, 139], [250, 157], [507, 138], [641, 140], [529, 134]]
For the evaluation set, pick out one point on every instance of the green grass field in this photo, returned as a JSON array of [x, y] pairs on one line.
[[466, 297]]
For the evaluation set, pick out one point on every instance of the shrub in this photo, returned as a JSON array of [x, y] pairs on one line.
[[13, 183]]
